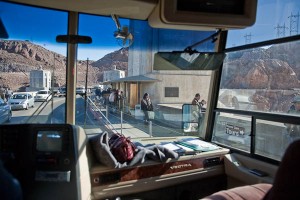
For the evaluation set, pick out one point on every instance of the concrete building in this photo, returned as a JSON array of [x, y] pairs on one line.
[[165, 87], [39, 80], [113, 74]]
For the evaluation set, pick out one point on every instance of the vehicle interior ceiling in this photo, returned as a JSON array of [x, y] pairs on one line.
[[236, 167], [137, 9]]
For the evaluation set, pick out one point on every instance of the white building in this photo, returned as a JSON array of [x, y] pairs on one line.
[[113, 75], [39, 80]]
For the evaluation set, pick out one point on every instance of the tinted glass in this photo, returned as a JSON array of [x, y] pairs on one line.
[[31, 60]]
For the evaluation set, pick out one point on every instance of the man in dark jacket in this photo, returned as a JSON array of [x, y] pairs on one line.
[[146, 105]]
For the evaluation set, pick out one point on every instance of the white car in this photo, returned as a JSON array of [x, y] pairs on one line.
[[80, 90], [43, 95], [22, 100]]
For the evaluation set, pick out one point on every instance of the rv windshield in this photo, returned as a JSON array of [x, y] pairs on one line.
[[114, 74]]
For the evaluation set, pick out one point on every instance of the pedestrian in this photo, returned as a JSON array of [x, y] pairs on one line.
[[291, 132], [196, 101], [197, 108], [294, 130], [146, 106], [121, 100]]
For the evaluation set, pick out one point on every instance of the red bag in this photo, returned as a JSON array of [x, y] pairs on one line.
[[122, 148]]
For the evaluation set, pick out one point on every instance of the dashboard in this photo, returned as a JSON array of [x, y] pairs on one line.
[[44, 158], [151, 175]]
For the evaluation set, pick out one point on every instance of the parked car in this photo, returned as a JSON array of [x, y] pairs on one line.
[[22, 100], [43, 95], [55, 92], [80, 90], [5, 112], [62, 92]]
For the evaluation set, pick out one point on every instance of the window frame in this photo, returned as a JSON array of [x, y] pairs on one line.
[[255, 115]]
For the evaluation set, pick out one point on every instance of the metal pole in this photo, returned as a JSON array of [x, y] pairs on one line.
[[121, 122], [106, 111], [86, 85], [150, 128]]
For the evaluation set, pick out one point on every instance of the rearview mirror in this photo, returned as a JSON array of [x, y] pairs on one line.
[[74, 39]]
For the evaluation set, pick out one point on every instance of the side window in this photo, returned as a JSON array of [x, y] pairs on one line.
[[257, 108]]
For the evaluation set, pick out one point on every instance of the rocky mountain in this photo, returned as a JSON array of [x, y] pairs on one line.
[[18, 58], [274, 73], [271, 68], [118, 59]]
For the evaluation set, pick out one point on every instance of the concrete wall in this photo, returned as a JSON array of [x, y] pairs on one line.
[[40, 80], [113, 75]]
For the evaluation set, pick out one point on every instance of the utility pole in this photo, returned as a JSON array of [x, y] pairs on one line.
[[294, 24], [280, 30], [247, 38]]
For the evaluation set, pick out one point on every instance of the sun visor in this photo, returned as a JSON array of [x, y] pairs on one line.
[[187, 61]]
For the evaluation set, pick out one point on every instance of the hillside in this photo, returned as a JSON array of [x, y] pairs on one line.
[[272, 68], [18, 58]]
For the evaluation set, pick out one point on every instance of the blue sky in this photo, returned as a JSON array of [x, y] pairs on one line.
[[41, 26], [270, 14]]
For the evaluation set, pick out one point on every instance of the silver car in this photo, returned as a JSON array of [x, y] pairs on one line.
[[43, 95], [21, 101]]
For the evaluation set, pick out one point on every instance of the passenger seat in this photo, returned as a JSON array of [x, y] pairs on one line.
[[286, 183]]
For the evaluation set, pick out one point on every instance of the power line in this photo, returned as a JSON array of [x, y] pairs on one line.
[[248, 38], [280, 30], [294, 24]]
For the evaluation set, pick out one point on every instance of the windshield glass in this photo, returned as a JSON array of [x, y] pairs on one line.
[[120, 75], [19, 96], [112, 74], [31, 60], [42, 92]]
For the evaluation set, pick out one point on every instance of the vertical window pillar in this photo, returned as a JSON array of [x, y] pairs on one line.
[[71, 70]]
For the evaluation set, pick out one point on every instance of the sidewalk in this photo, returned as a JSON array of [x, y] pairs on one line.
[[133, 127]]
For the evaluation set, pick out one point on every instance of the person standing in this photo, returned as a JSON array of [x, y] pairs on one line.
[[294, 130], [146, 105], [112, 98], [197, 108], [196, 100]]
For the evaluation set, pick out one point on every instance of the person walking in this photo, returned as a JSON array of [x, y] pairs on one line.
[[146, 105]]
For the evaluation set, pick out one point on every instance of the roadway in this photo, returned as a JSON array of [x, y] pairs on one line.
[[92, 120]]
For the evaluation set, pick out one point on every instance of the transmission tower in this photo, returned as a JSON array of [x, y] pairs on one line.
[[247, 38], [280, 30], [294, 24]]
